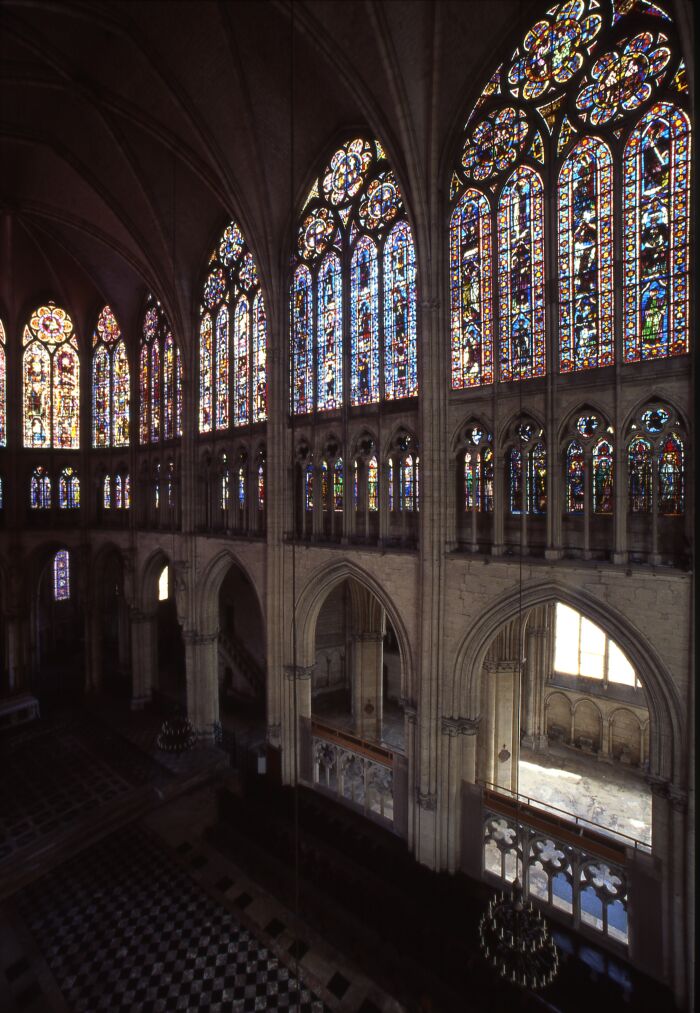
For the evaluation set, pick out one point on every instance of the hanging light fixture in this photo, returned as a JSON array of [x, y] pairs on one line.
[[513, 935], [516, 942]]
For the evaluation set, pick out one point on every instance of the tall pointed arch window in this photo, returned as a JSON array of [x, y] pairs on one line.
[[111, 396], [232, 338], [51, 380], [671, 491], [40, 489], [61, 575], [354, 248], [588, 115], [603, 477], [585, 257], [575, 478], [639, 471], [160, 378], [68, 490], [3, 388]]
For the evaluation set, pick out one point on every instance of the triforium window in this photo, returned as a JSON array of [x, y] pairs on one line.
[[51, 380], [592, 104], [160, 378], [232, 338], [110, 384], [353, 288], [61, 575]]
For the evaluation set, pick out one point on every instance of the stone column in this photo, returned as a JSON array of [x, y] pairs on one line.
[[654, 556], [384, 480], [622, 505], [93, 648], [587, 503], [537, 672], [296, 742], [503, 716], [460, 758], [555, 471], [498, 503], [144, 657], [202, 672], [367, 656], [13, 651], [319, 505]]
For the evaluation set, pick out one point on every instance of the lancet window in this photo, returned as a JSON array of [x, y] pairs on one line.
[[160, 378]]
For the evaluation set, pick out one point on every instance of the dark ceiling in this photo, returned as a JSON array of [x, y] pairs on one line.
[[131, 132]]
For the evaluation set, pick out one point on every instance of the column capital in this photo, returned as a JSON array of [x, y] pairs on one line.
[[195, 639], [506, 666], [460, 726], [676, 796], [298, 673], [426, 800]]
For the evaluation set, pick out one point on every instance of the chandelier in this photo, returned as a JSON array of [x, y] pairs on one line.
[[516, 942]]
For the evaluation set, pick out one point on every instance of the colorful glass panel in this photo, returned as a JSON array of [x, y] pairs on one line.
[[408, 476], [222, 368], [392, 479], [261, 486], [329, 341], [178, 392], [51, 380], [537, 480], [587, 425], [575, 481], [155, 392], [372, 484], [515, 480], [61, 575], [169, 383], [143, 394], [495, 143], [382, 202], [639, 475], [656, 228], [602, 478], [338, 485], [364, 323], [472, 480], [121, 396], [309, 487], [206, 353], [671, 476], [586, 257], [107, 493], [302, 342], [127, 492], [521, 270], [101, 427], [344, 176], [400, 368], [118, 492], [241, 352], [623, 79], [241, 487], [259, 360], [316, 234], [40, 490], [554, 49], [471, 291], [68, 490]]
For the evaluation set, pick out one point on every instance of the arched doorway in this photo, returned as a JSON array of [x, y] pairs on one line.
[[242, 660], [571, 735]]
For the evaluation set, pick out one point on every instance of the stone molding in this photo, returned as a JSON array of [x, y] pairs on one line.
[[460, 726], [667, 790], [506, 667], [426, 800], [194, 639], [298, 673]]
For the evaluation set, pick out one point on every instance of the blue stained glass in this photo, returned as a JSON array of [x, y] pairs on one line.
[[400, 373], [241, 487], [575, 487], [471, 291], [537, 480], [515, 480], [302, 342], [40, 490], [329, 299], [639, 475], [206, 354], [391, 484], [309, 487], [671, 476], [241, 341], [259, 360], [61, 575], [521, 272], [222, 368], [602, 478], [364, 323]]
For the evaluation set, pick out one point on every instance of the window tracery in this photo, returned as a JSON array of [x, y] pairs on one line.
[[592, 101], [232, 338], [51, 380], [160, 378], [111, 395], [353, 237]]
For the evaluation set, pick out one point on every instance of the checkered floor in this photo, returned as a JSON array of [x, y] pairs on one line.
[[123, 927], [56, 774]]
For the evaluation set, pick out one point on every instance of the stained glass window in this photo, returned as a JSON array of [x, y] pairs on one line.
[[111, 394], [325, 492], [302, 341], [261, 485], [309, 487], [656, 224], [409, 483], [160, 378], [639, 475], [329, 300], [40, 489], [602, 478], [118, 492], [51, 380], [241, 487], [586, 257], [471, 291], [521, 270], [364, 323], [537, 480], [107, 493], [127, 492], [61, 575], [515, 480], [170, 484], [233, 338], [478, 480], [392, 479], [671, 477], [338, 485], [68, 490], [353, 235], [3, 388], [575, 481], [224, 483], [372, 484]]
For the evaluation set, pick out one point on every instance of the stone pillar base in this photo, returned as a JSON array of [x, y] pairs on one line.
[[553, 553]]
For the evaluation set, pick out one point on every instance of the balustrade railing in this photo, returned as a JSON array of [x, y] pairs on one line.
[[355, 770]]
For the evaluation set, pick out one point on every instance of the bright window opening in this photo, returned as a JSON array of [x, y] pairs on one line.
[[163, 585]]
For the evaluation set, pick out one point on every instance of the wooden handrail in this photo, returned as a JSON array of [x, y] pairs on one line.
[[353, 742]]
